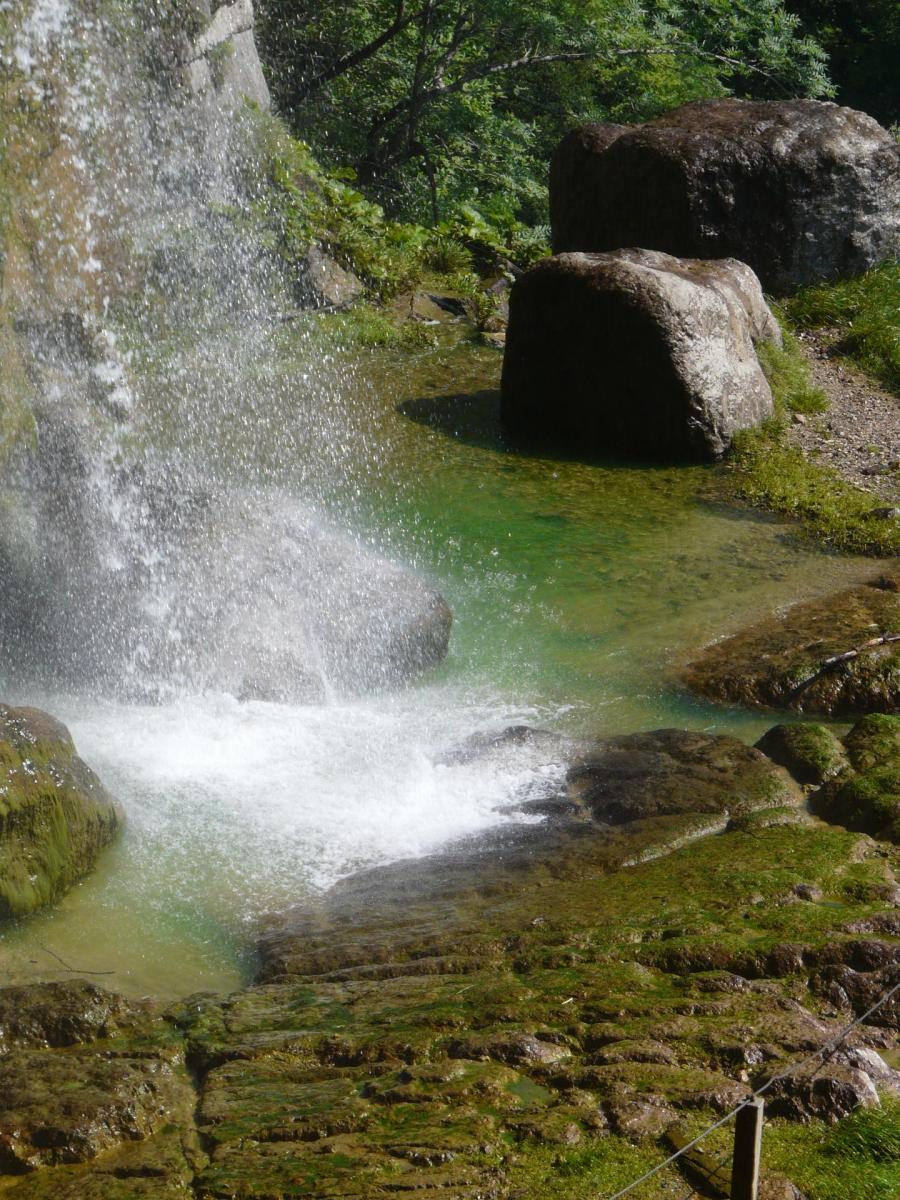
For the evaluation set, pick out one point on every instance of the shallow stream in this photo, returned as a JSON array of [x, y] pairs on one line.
[[575, 588]]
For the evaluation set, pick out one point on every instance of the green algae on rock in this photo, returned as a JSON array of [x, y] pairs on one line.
[[833, 656], [506, 1018], [55, 815], [90, 1077], [811, 753], [866, 795]]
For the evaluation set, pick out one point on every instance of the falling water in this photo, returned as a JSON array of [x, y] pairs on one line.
[[181, 582]]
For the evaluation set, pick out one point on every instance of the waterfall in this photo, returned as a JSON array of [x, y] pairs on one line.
[[150, 307], [182, 578]]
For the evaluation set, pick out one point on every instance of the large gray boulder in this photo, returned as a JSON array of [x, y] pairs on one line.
[[636, 352], [801, 190]]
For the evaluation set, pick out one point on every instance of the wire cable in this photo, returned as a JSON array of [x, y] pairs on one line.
[[827, 1048]]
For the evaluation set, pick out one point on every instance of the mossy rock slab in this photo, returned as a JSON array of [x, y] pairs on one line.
[[865, 796], [448, 1027], [55, 815], [826, 656], [89, 1077]]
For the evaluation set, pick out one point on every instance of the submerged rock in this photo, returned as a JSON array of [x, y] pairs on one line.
[[636, 352], [285, 608], [55, 815], [832, 656], [801, 190]]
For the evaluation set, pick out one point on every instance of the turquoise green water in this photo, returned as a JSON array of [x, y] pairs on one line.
[[576, 588], [577, 584]]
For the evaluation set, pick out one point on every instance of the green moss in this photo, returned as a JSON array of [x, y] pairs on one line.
[[811, 753], [868, 801], [788, 375], [772, 475], [769, 473], [874, 741], [366, 326], [858, 1157], [599, 1167], [55, 816]]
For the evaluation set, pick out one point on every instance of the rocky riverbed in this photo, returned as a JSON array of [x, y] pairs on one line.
[[678, 930]]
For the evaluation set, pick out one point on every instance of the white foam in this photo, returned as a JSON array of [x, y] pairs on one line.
[[245, 807]]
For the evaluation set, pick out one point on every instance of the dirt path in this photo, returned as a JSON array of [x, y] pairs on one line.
[[859, 436]]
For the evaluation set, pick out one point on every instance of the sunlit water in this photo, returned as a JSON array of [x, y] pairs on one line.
[[576, 588]]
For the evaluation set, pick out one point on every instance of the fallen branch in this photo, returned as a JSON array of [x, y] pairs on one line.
[[62, 962], [837, 660]]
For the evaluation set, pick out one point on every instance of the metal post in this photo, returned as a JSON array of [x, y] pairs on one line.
[[748, 1127]]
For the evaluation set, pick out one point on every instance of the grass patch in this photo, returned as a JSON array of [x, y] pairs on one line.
[[770, 474], [858, 1157], [366, 326], [866, 314], [788, 376]]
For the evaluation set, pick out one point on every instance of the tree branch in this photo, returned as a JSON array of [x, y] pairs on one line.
[[357, 57]]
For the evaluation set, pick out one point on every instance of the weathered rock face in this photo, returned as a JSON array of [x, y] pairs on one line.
[[636, 352], [827, 656], [222, 60], [801, 190], [55, 816], [323, 283]]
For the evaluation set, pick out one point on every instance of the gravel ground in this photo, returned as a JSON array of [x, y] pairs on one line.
[[859, 436]]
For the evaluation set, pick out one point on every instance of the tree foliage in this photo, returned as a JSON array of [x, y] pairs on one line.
[[862, 39], [441, 102]]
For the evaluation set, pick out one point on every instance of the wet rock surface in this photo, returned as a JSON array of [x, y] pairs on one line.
[[866, 794], [832, 656], [469, 1022], [90, 1077], [801, 190], [673, 771], [323, 283], [55, 815], [636, 352], [810, 753]]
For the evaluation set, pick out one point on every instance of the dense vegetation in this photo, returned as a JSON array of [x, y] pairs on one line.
[[862, 41], [447, 107]]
